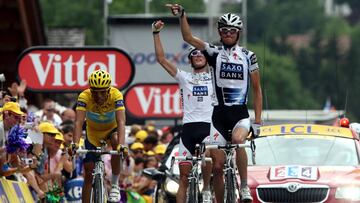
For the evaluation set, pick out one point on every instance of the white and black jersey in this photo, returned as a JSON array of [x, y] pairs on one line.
[[231, 70], [196, 95], [196, 98]]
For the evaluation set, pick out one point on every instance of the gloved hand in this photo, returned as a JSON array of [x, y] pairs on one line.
[[72, 149], [176, 9], [121, 148], [256, 129], [157, 26]]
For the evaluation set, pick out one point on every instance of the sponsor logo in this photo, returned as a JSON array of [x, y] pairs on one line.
[[68, 69], [253, 59], [293, 187], [154, 101], [200, 91], [119, 103], [232, 71], [179, 58]]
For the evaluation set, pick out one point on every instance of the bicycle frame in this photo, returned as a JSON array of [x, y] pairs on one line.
[[194, 176], [98, 192], [230, 181]]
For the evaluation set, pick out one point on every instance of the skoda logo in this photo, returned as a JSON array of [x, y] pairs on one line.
[[293, 187]]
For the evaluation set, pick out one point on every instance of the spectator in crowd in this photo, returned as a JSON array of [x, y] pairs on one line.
[[150, 142], [68, 114], [49, 113], [141, 135], [11, 116]]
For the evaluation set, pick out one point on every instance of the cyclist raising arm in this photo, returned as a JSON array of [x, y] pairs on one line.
[[196, 92], [103, 108], [234, 67]]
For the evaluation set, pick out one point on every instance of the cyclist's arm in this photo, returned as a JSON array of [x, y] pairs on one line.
[[160, 56], [188, 36], [256, 88], [120, 119], [79, 121]]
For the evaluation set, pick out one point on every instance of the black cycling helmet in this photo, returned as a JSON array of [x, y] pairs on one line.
[[230, 20]]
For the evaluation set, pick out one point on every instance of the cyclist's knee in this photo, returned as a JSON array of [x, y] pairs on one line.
[[218, 169]]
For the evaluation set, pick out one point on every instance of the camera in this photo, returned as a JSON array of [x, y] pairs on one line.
[[28, 161]]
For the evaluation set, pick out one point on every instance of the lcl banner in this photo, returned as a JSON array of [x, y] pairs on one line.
[[67, 68], [154, 100]]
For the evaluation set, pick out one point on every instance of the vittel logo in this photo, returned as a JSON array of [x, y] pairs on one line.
[[154, 101], [64, 66], [68, 69]]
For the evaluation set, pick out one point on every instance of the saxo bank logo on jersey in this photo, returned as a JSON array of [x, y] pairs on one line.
[[68, 69], [231, 71], [200, 91], [179, 58], [154, 101]]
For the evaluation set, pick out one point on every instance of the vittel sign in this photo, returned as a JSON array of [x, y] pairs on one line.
[[153, 101], [68, 69]]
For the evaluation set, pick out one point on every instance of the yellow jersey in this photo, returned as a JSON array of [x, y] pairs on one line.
[[100, 119]]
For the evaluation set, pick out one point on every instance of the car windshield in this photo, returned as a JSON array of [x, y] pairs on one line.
[[312, 151]]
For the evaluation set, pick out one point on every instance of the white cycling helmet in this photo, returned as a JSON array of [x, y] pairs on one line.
[[230, 20]]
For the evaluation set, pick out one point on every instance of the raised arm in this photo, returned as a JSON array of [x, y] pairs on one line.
[[188, 37], [159, 51], [256, 87]]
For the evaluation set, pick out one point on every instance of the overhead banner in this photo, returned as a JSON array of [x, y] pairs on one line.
[[154, 101], [66, 69]]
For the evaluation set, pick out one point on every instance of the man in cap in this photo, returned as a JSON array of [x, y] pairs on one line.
[[11, 116]]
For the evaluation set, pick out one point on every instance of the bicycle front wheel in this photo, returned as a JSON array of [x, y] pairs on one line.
[[98, 192], [230, 187], [193, 191]]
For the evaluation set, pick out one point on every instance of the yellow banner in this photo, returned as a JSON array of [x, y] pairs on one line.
[[305, 129]]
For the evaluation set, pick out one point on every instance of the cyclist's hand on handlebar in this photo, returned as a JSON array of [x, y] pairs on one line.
[[123, 149], [256, 128], [72, 149]]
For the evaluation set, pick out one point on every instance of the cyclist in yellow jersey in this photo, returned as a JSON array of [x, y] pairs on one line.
[[103, 108]]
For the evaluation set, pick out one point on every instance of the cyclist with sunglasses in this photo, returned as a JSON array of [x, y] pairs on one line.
[[196, 94], [234, 68], [103, 108]]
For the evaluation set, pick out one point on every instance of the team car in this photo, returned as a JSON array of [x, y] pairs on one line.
[[304, 163]]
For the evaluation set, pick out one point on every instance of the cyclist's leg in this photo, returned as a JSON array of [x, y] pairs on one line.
[[115, 168], [88, 177], [239, 134], [207, 168], [217, 131], [185, 167]]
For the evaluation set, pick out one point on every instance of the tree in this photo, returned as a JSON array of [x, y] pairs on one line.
[[84, 14]]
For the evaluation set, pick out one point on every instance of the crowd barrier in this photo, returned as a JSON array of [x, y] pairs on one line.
[[15, 192]]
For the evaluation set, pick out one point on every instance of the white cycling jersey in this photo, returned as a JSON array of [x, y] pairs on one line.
[[196, 96], [232, 68]]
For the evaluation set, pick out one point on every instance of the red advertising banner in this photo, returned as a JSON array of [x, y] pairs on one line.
[[154, 101], [67, 69]]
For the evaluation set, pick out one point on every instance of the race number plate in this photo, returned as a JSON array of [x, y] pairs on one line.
[[294, 172]]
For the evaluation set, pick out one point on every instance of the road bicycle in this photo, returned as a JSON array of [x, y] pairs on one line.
[[98, 191], [231, 185], [193, 192]]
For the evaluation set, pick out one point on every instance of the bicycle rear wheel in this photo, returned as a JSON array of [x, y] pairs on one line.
[[230, 187], [98, 193], [193, 191]]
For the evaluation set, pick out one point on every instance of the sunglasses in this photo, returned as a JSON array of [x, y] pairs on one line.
[[196, 53], [225, 30]]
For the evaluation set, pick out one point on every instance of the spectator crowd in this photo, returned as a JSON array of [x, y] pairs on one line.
[[34, 147]]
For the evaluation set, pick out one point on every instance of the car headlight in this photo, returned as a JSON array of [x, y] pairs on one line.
[[348, 193], [171, 186]]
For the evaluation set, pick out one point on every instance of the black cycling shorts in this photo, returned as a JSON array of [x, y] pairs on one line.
[[192, 134], [224, 118]]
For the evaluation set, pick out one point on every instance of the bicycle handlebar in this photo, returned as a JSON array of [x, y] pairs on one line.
[[99, 151], [192, 158], [227, 146]]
